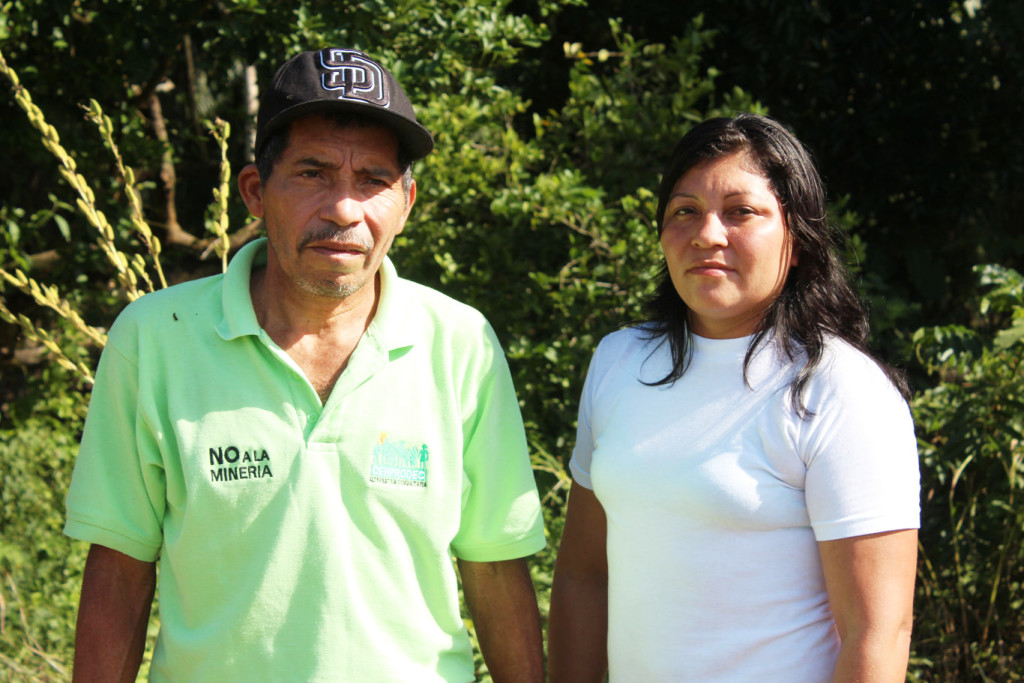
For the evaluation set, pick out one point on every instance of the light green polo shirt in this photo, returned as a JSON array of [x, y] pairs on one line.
[[300, 541]]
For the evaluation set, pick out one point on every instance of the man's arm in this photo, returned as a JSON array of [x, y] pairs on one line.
[[578, 624], [110, 636], [503, 605], [870, 582]]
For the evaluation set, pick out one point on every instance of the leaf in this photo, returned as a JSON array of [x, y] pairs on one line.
[[1010, 336], [62, 225], [14, 231]]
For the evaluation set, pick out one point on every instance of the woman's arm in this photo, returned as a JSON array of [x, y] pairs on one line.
[[870, 582], [578, 624]]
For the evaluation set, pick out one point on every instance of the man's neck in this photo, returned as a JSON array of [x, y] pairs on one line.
[[319, 333]]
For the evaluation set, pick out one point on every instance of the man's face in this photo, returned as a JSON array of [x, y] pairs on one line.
[[332, 207]]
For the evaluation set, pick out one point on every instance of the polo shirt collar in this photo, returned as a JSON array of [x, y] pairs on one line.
[[394, 324], [239, 316]]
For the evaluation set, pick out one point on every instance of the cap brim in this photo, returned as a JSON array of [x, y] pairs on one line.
[[414, 139]]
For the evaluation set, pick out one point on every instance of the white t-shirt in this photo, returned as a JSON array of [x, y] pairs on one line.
[[716, 494]]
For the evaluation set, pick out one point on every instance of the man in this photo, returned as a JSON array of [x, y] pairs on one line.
[[304, 441]]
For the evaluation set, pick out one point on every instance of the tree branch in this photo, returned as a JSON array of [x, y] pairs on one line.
[[168, 177]]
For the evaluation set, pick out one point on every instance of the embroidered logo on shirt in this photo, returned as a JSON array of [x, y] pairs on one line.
[[230, 463], [397, 462]]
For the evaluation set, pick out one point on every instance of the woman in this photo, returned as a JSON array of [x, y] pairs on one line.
[[746, 486]]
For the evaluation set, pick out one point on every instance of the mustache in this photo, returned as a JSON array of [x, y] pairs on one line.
[[332, 233]]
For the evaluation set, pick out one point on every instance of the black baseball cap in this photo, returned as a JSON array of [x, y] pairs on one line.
[[339, 79]]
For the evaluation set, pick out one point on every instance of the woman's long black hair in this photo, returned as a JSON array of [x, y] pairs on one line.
[[817, 300]]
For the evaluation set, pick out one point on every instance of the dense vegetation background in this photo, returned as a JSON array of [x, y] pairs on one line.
[[552, 119]]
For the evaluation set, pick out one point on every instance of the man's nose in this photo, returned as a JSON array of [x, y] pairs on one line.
[[342, 207]]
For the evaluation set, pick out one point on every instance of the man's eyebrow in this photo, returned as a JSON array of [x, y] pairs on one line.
[[313, 162], [375, 170], [379, 171]]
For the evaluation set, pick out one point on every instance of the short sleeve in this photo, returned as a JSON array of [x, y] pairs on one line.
[[116, 497], [501, 513], [583, 451], [860, 449]]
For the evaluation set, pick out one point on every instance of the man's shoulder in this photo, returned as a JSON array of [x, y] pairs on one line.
[[440, 306], [177, 303]]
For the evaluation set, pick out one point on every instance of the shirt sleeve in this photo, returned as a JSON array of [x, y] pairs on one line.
[[116, 497], [583, 451], [860, 449], [501, 513]]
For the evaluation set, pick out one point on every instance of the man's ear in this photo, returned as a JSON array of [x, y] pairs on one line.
[[409, 201], [251, 188]]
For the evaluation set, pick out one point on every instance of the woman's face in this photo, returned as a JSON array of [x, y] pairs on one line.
[[726, 245]]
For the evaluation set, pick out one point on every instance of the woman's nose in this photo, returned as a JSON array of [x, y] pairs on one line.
[[709, 232]]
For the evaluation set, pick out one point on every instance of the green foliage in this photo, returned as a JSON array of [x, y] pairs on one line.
[[971, 436], [40, 569], [1003, 300], [911, 110]]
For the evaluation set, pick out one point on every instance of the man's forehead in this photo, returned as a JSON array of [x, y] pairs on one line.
[[321, 137]]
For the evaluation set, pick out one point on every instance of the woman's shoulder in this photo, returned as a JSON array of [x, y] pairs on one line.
[[627, 342], [846, 369], [623, 350], [626, 337], [844, 356]]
